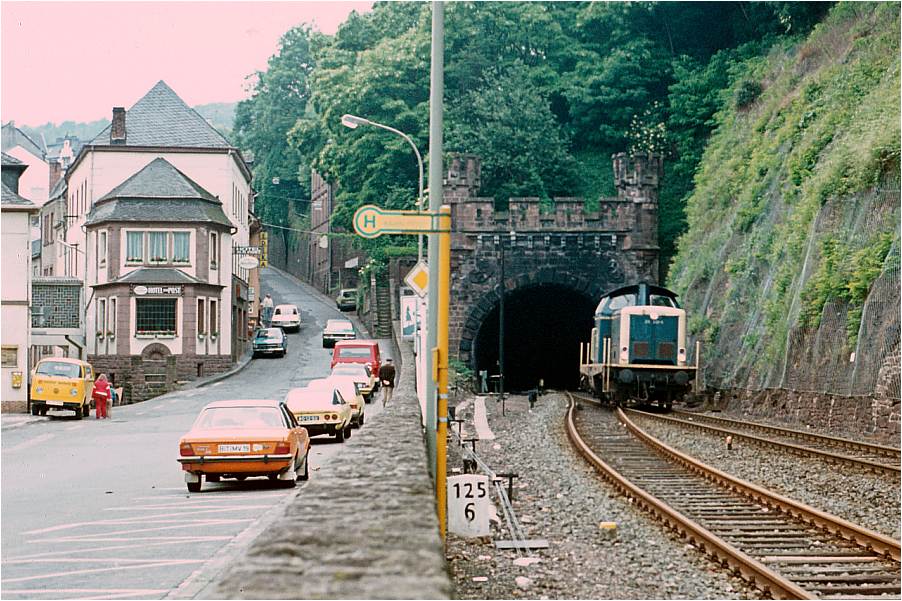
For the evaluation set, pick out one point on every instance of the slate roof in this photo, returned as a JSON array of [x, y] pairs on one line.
[[11, 161], [158, 192], [157, 275], [11, 200], [13, 136], [161, 118], [159, 179], [59, 189]]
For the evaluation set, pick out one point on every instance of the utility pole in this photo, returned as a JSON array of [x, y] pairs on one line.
[[501, 331], [436, 93]]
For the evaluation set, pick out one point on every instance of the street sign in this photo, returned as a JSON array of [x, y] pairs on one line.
[[248, 262], [371, 221], [418, 279], [253, 251], [408, 317], [468, 505]]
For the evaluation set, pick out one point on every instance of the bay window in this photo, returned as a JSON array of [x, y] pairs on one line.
[[181, 247], [134, 243], [157, 243]]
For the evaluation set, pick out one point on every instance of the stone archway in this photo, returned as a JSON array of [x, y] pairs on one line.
[[547, 315]]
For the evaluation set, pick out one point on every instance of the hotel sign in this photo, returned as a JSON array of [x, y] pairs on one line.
[[141, 290]]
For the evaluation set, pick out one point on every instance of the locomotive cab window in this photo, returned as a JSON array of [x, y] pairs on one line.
[[658, 300]]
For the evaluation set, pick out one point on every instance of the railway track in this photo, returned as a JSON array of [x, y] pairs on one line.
[[870, 457], [786, 548]]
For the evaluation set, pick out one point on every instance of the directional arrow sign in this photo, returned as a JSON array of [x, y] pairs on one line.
[[371, 221]]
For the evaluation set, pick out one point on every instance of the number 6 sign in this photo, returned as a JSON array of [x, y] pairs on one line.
[[468, 505]]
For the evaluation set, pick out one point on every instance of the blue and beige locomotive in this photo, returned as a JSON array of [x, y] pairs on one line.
[[638, 351]]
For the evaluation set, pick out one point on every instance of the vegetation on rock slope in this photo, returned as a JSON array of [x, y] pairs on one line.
[[811, 128]]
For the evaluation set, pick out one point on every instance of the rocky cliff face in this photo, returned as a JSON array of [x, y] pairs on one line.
[[790, 267]]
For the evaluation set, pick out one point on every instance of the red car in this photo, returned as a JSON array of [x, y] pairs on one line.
[[357, 351]]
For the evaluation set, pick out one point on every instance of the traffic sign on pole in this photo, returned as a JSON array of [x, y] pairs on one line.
[[418, 279], [371, 221]]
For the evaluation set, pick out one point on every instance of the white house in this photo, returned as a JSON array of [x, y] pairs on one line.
[[16, 215], [35, 184], [159, 127]]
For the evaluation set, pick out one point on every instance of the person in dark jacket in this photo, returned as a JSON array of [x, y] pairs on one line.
[[387, 380]]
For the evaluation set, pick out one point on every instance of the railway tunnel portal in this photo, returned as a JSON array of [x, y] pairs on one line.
[[552, 267]]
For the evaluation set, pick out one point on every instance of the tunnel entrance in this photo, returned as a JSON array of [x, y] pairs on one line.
[[544, 325]]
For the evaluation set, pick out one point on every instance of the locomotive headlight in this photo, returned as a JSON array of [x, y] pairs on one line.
[[682, 352], [681, 378]]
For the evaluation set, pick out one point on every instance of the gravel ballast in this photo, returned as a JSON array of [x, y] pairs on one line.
[[559, 498], [867, 499]]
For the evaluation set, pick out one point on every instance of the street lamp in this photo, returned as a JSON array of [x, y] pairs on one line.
[[352, 121]]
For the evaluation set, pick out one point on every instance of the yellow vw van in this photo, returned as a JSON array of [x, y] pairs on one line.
[[62, 383]]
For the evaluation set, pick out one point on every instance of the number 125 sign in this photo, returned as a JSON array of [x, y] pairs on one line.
[[468, 505]]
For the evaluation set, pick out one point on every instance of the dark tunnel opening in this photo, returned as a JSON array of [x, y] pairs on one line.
[[544, 326]]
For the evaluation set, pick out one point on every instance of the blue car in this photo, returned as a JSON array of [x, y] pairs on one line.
[[270, 341]]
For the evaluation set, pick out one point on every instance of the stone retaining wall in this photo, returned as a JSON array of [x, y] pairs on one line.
[[363, 527], [876, 416]]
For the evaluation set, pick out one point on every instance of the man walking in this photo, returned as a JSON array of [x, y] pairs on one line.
[[266, 311], [387, 379]]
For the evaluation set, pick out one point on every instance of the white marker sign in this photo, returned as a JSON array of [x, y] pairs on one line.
[[468, 505]]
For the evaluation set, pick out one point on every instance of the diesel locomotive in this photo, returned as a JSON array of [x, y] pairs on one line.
[[638, 352]]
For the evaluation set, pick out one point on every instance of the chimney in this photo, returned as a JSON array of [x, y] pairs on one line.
[[56, 172], [117, 130]]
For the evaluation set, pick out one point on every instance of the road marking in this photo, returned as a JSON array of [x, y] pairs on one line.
[[91, 559], [87, 537], [96, 549], [143, 566], [75, 427], [30, 443], [140, 412], [140, 520], [112, 593], [82, 539]]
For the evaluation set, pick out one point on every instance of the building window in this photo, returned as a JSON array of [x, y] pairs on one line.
[[111, 328], [157, 241], [214, 318], [214, 250], [155, 315], [101, 316], [10, 356], [101, 248], [181, 247], [134, 247], [201, 317]]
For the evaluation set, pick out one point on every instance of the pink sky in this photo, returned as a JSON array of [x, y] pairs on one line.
[[76, 60]]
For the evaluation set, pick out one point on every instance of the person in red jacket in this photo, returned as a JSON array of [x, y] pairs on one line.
[[101, 396]]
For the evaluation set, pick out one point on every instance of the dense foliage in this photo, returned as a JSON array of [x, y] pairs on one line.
[[794, 204], [543, 92]]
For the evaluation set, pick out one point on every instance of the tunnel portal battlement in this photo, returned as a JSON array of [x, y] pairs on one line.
[[568, 247]]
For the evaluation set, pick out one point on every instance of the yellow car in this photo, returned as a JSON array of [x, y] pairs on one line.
[[321, 410], [349, 390], [62, 383], [237, 439], [362, 374]]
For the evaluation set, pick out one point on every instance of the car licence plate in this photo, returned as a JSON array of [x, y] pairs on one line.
[[54, 403], [234, 448], [308, 418]]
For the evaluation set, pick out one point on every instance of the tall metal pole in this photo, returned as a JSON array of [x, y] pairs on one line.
[[501, 332], [444, 305], [436, 94]]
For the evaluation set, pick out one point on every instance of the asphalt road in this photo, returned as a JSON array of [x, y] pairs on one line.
[[99, 509]]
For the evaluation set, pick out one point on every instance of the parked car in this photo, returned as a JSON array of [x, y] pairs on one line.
[[349, 391], [286, 317], [346, 299], [243, 438], [321, 410], [362, 374], [268, 341], [358, 351], [337, 329], [62, 383]]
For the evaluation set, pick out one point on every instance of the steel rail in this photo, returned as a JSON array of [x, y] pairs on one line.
[[886, 451], [723, 551], [794, 448]]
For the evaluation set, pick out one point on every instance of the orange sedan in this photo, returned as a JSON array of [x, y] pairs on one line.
[[237, 439]]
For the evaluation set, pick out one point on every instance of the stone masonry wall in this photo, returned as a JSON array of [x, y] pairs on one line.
[[318, 549], [590, 252]]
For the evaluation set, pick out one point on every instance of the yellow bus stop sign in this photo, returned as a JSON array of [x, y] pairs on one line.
[[371, 221]]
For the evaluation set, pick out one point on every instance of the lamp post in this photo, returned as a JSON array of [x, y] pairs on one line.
[[352, 121]]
